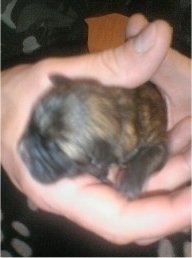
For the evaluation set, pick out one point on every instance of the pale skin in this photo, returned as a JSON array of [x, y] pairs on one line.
[[85, 200]]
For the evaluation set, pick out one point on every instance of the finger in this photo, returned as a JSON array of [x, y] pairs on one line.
[[159, 216], [147, 242], [129, 65], [180, 136], [175, 173], [174, 80], [136, 23]]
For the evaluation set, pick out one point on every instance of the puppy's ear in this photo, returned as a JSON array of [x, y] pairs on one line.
[[60, 80]]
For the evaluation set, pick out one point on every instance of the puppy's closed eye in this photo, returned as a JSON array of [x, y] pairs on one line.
[[81, 126]]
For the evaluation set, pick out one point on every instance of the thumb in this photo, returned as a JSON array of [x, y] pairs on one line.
[[129, 65]]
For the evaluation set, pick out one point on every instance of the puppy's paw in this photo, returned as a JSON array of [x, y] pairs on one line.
[[148, 160]]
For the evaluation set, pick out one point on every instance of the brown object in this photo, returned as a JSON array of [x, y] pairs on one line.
[[106, 31]]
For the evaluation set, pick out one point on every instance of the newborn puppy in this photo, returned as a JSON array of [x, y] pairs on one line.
[[80, 126]]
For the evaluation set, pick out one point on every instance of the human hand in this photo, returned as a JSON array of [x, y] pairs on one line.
[[85, 200]]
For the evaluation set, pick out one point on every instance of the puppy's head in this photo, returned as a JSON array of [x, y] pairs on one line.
[[73, 129]]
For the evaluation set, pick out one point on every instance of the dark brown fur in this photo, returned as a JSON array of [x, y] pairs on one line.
[[81, 126]]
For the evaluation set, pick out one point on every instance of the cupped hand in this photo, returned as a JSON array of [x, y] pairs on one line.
[[84, 200]]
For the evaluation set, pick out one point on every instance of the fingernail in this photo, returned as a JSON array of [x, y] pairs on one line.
[[146, 39], [136, 23]]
